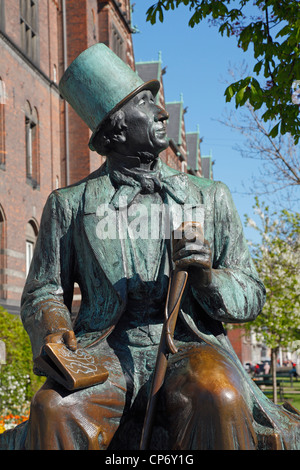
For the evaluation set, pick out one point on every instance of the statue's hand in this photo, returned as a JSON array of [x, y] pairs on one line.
[[191, 252], [67, 337]]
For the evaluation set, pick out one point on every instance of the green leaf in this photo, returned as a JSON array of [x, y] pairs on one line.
[[160, 15], [229, 93], [240, 95], [257, 67], [284, 31], [274, 132]]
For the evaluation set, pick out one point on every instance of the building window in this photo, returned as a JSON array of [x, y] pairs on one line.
[[2, 17], [2, 255], [117, 43], [31, 236], [32, 146], [2, 124], [54, 73], [29, 28], [94, 24], [29, 255]]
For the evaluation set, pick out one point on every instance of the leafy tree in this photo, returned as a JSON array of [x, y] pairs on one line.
[[273, 34], [277, 258], [278, 158], [17, 380]]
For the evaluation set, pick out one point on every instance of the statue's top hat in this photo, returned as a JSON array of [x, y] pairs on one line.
[[97, 83]]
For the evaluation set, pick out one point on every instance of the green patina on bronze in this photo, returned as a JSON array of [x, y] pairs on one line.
[[98, 82]]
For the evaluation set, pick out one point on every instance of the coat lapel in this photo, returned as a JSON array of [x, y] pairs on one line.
[[100, 222], [184, 199]]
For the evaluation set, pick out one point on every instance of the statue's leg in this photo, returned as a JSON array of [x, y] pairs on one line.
[[205, 403], [83, 419]]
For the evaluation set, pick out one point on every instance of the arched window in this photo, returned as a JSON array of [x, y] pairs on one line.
[[32, 146], [2, 254], [31, 236], [2, 124]]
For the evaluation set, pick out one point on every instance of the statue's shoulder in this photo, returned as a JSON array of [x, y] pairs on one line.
[[203, 184], [72, 195], [214, 190]]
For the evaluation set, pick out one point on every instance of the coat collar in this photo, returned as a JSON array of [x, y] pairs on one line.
[[174, 184]]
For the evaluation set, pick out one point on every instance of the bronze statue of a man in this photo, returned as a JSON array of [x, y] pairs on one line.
[[102, 234]]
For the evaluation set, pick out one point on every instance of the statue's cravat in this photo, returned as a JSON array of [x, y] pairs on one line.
[[130, 182]]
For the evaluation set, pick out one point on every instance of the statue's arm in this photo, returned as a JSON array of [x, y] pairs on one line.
[[235, 293], [49, 288]]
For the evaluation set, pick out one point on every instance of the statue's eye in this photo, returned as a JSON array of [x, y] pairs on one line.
[[142, 102]]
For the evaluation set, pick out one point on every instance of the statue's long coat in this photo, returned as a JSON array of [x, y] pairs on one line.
[[70, 251]]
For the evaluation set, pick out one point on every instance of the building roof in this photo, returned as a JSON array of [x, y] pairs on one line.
[[193, 142], [151, 70], [148, 70], [175, 111], [206, 164]]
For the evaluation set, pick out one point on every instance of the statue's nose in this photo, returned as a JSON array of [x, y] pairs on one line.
[[162, 114]]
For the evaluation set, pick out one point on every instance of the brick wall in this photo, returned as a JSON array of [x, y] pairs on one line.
[[30, 82], [241, 344], [27, 83]]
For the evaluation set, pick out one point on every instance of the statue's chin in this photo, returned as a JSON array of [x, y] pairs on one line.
[[146, 157]]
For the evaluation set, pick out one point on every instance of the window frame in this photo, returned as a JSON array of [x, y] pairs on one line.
[[118, 43], [30, 242], [2, 15], [29, 31], [32, 147]]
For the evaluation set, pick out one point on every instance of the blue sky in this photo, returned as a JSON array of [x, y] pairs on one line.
[[197, 61]]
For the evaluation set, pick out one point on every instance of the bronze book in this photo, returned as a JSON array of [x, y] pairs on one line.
[[72, 369]]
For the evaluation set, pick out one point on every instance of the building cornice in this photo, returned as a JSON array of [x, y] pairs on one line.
[[125, 21]]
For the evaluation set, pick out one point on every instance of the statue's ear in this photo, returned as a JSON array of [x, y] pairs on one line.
[[103, 140], [119, 136]]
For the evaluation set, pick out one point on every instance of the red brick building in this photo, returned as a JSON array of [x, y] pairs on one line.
[[30, 138], [43, 143]]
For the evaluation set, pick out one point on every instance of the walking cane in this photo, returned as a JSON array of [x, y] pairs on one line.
[[176, 288]]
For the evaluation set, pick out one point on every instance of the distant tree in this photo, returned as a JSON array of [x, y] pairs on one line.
[[277, 258], [273, 31], [17, 380], [278, 159]]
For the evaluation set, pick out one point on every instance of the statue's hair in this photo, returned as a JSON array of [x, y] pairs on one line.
[[113, 127]]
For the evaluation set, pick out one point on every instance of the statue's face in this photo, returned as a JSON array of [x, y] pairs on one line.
[[146, 130]]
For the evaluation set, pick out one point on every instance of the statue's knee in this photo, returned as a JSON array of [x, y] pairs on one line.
[[227, 396], [218, 392], [212, 377], [46, 402], [214, 385], [206, 380]]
